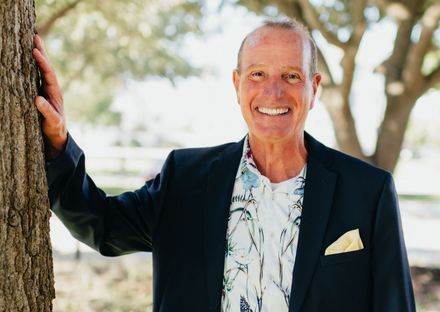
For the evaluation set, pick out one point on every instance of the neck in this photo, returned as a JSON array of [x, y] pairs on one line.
[[279, 160]]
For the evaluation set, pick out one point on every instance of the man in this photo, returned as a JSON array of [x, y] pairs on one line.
[[275, 222]]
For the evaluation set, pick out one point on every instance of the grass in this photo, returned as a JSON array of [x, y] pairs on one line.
[[114, 190], [124, 284], [97, 284], [420, 197]]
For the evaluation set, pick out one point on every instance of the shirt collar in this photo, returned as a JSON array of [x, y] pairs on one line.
[[247, 164], [247, 161]]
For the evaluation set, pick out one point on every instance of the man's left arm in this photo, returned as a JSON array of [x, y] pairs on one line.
[[392, 287]]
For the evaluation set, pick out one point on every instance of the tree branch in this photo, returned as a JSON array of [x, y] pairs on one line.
[[348, 62], [358, 22], [429, 23], [343, 122], [311, 16], [324, 69], [393, 66], [290, 9], [357, 13], [399, 10], [432, 79], [45, 27]]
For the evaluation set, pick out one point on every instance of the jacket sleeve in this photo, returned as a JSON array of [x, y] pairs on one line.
[[392, 287], [112, 225]]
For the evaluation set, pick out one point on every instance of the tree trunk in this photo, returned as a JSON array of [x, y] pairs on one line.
[[343, 123], [26, 273], [392, 130]]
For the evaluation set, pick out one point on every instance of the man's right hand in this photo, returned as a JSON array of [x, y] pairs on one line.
[[51, 105]]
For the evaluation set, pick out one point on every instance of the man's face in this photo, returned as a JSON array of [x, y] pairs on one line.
[[274, 87]]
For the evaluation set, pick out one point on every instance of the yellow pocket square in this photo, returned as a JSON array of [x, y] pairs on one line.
[[350, 241]]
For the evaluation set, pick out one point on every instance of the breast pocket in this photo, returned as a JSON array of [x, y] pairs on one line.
[[343, 257]]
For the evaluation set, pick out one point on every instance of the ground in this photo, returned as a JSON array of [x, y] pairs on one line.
[[124, 284]]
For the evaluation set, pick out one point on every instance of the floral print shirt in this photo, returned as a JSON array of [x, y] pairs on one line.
[[262, 238]]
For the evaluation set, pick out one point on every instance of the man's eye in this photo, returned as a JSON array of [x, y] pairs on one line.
[[291, 76], [257, 75]]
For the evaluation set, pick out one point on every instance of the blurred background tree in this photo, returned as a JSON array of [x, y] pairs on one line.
[[412, 68], [96, 46]]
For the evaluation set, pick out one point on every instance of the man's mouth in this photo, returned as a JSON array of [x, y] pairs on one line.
[[273, 111]]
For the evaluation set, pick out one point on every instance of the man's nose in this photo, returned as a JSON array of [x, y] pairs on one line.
[[274, 88]]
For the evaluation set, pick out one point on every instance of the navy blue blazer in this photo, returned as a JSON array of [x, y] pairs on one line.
[[182, 216]]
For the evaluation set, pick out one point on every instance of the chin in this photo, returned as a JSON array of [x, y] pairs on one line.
[[273, 136]]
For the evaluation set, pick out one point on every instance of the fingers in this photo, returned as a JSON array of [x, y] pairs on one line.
[[38, 42], [46, 70], [50, 114], [54, 126], [50, 81]]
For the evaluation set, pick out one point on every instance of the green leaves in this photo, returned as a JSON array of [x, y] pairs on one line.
[[97, 45]]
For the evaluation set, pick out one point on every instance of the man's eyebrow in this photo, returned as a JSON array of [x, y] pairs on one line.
[[254, 66], [288, 67], [295, 68]]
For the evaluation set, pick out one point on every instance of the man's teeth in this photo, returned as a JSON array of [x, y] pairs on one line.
[[272, 111]]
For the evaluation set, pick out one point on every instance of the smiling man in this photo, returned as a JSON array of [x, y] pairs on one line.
[[276, 81], [276, 222]]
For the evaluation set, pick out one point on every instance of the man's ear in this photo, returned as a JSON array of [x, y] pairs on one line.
[[236, 81], [316, 82], [315, 85]]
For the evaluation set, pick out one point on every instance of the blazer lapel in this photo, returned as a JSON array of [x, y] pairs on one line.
[[219, 189], [318, 197]]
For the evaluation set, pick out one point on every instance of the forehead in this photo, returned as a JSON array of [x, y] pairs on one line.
[[274, 36], [274, 45]]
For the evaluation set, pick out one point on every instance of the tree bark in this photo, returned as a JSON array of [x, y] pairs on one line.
[[26, 273], [343, 122], [392, 130]]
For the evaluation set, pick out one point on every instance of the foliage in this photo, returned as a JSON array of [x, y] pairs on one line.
[[97, 45]]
